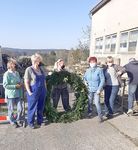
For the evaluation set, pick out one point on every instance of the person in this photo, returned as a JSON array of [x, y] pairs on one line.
[[94, 79], [35, 84], [13, 87], [112, 84], [131, 68], [60, 89]]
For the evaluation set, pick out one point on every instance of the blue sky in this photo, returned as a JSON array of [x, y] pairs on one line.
[[43, 23]]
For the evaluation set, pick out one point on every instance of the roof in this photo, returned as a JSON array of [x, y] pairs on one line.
[[99, 6]]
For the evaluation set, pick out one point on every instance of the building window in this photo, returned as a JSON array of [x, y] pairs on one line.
[[99, 45], [110, 43], [123, 42], [128, 41], [133, 38], [113, 43], [107, 43]]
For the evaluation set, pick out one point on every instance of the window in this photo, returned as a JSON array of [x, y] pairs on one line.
[[133, 38], [110, 43], [113, 43], [128, 40], [123, 41], [107, 43], [98, 45]]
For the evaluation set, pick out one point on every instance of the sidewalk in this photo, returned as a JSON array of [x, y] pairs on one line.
[[127, 126]]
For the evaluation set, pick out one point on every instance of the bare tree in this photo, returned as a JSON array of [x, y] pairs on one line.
[[84, 41]]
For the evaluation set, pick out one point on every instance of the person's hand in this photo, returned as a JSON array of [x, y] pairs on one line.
[[98, 92], [30, 93], [21, 84], [18, 86], [85, 83], [119, 73]]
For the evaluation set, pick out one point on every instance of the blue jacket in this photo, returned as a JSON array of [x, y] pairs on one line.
[[94, 77]]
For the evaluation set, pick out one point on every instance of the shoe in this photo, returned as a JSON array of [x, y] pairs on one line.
[[100, 119], [15, 125], [32, 126], [38, 126], [68, 109], [89, 115], [130, 111], [109, 116], [20, 123]]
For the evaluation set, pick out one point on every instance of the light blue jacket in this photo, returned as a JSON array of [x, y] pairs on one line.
[[9, 83], [94, 77]]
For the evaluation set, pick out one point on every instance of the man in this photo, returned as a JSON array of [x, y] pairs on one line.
[[112, 83], [132, 71]]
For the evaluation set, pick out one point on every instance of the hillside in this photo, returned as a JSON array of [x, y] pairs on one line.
[[18, 52]]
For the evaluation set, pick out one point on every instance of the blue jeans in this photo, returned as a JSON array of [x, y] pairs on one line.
[[94, 96], [110, 93], [131, 95], [12, 102]]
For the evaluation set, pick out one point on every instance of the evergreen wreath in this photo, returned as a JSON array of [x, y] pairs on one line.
[[81, 93]]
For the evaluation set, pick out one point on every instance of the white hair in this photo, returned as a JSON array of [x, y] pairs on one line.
[[36, 57]]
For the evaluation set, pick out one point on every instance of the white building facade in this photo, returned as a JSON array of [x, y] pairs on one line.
[[114, 29]]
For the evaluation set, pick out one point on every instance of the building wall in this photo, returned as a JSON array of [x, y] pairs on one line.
[[115, 17]]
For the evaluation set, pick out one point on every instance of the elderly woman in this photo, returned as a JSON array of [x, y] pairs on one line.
[[94, 79], [36, 90], [12, 84]]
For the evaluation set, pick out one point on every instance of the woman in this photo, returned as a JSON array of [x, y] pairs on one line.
[[94, 78], [112, 83], [61, 89], [36, 90], [13, 86]]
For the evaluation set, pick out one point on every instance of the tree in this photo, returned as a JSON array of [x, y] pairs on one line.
[[84, 42]]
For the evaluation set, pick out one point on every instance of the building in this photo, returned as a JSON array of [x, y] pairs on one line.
[[114, 29]]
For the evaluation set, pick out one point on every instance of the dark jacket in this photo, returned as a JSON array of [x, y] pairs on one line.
[[132, 71], [61, 85]]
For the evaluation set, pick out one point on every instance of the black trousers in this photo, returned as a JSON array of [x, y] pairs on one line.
[[136, 94], [56, 93]]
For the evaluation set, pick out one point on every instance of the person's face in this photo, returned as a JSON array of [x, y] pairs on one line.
[[93, 63], [109, 62], [36, 63], [12, 66], [61, 63]]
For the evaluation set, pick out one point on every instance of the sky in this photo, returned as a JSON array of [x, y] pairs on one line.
[[43, 24]]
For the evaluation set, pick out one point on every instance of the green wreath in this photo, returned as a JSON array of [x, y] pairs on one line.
[[78, 110]]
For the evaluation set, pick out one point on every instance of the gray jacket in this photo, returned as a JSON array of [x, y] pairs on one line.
[[117, 69]]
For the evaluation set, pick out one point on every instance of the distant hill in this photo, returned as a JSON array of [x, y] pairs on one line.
[[19, 52]]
